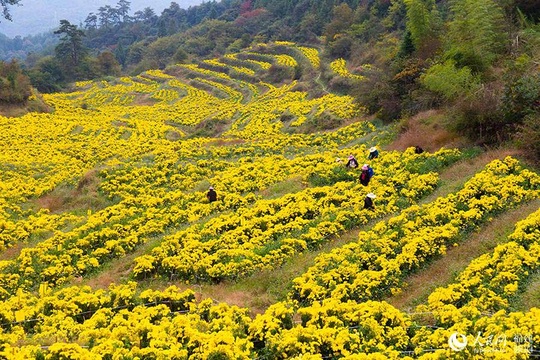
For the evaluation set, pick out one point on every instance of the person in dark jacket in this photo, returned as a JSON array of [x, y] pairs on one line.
[[369, 169], [368, 201], [418, 150], [373, 153], [352, 163], [364, 175], [211, 194]]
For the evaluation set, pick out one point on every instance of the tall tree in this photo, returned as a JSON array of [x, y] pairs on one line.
[[123, 8], [422, 23], [105, 16], [342, 19], [147, 15], [91, 21], [70, 50], [475, 33]]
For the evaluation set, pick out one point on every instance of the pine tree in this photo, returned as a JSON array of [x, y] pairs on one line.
[[70, 50]]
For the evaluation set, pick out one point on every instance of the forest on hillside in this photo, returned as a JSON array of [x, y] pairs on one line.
[[475, 60]]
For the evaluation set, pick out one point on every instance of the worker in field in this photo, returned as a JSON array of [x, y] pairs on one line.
[[352, 162], [418, 150], [373, 153], [364, 175], [370, 170], [368, 201], [211, 194]]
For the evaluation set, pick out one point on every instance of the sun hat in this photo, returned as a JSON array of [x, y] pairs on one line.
[[351, 157], [372, 149], [371, 195], [211, 188], [365, 167]]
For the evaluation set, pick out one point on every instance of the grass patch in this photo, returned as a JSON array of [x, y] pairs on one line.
[[428, 129], [530, 297], [455, 176], [316, 123], [78, 198], [258, 291], [208, 128], [288, 186], [339, 173]]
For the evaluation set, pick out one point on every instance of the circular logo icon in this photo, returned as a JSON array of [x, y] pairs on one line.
[[457, 341]]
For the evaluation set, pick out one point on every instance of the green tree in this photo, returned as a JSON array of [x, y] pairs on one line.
[[422, 24], [70, 51], [123, 7], [475, 34], [47, 75], [107, 64], [343, 17], [448, 81], [528, 136], [180, 56]]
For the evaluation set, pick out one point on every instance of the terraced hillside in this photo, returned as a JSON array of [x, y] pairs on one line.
[[107, 238]]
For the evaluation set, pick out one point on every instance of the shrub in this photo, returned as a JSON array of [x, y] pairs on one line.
[[449, 81], [339, 173], [14, 85], [479, 117], [521, 97], [528, 136]]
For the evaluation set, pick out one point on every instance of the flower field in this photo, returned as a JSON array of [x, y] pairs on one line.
[[119, 170]]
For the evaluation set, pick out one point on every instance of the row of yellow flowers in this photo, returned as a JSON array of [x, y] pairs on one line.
[[324, 332], [122, 322], [146, 210], [268, 233], [339, 66], [78, 323], [81, 139], [373, 266], [153, 200], [489, 281]]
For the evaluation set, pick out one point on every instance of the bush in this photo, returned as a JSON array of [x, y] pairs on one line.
[[14, 85], [378, 95], [277, 74], [479, 117], [521, 97], [528, 136], [449, 81]]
